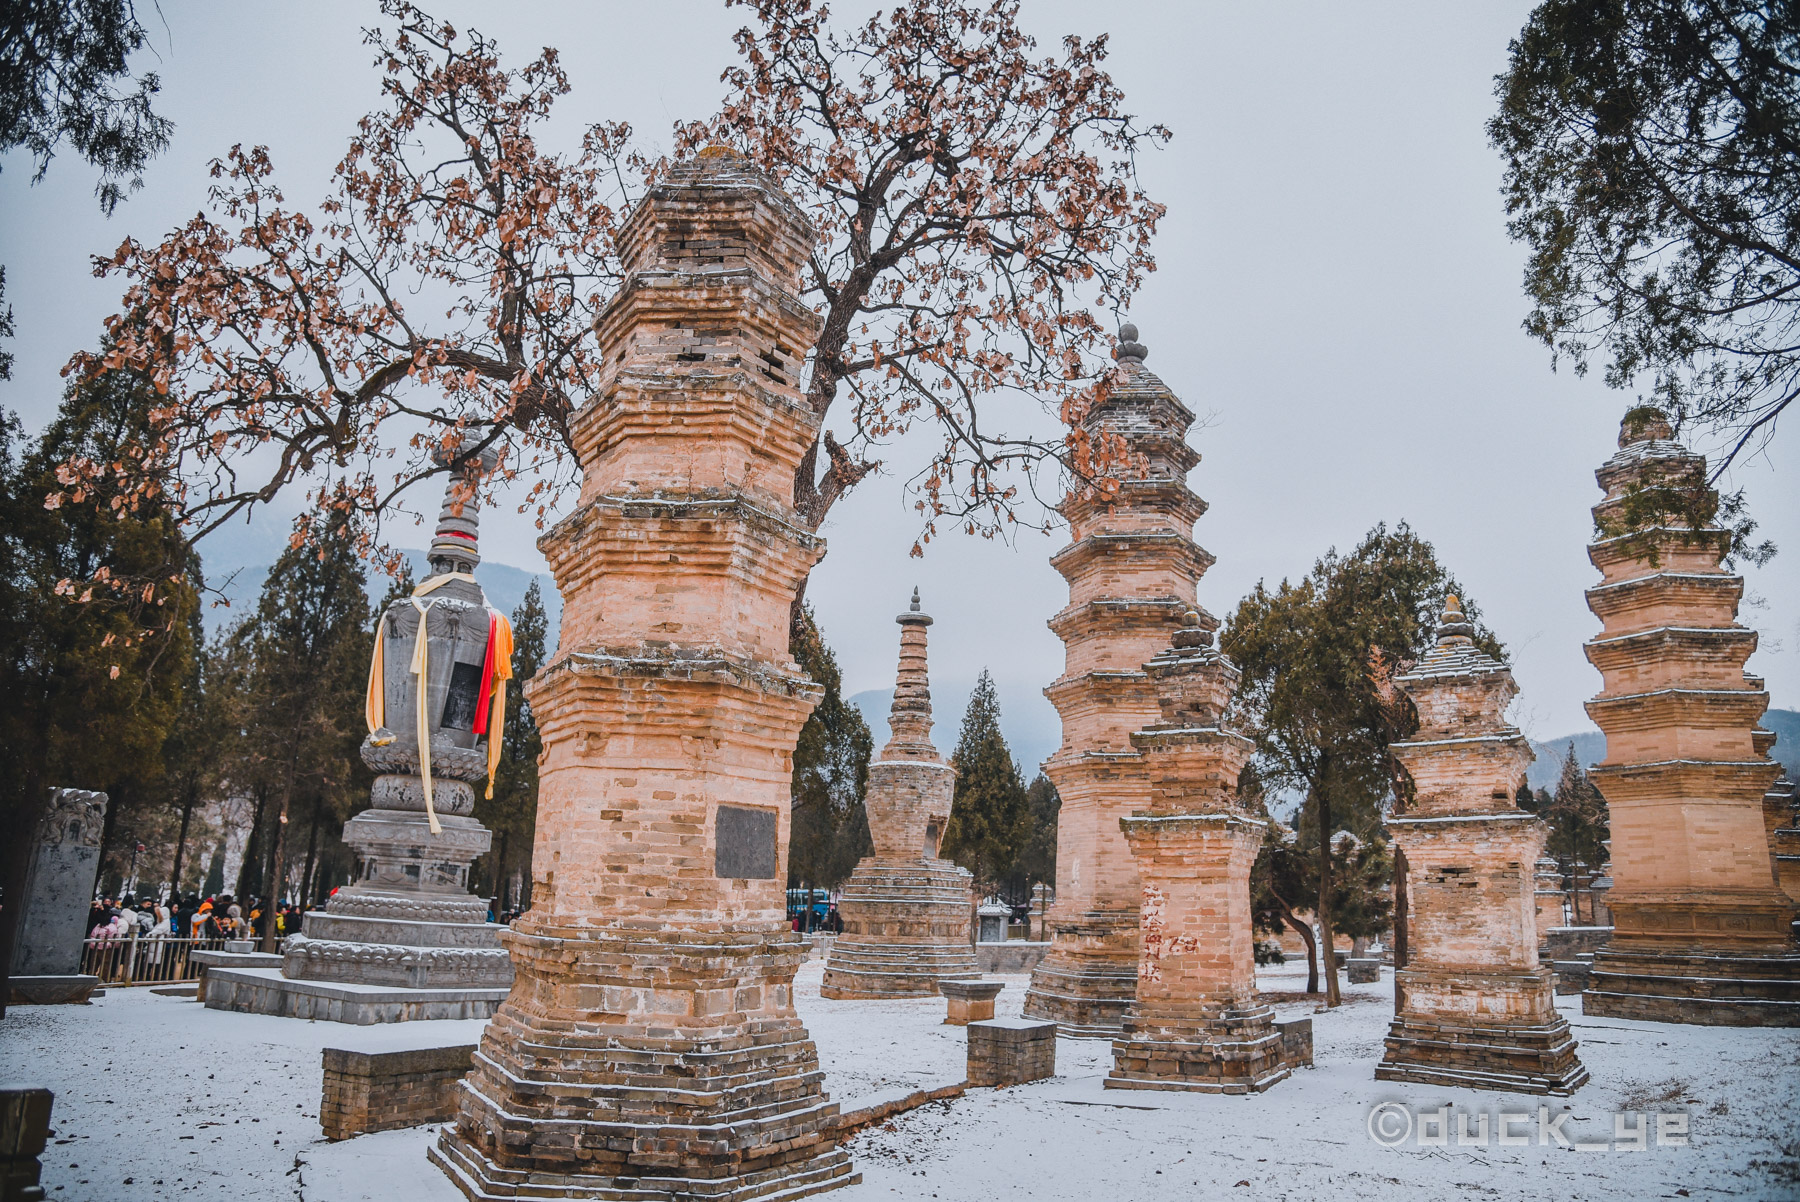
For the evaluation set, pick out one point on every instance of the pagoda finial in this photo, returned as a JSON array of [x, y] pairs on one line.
[[1129, 349], [1454, 626], [1644, 423]]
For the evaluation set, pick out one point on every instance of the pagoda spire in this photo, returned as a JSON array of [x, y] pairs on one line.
[[909, 718]]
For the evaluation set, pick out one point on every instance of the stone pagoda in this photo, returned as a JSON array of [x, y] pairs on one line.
[[407, 941], [1132, 569], [1196, 1023], [650, 1047], [1701, 929], [1781, 814], [1477, 1008], [905, 911]]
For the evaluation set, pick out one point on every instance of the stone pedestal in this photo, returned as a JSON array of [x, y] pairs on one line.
[[58, 889], [1132, 567], [969, 1001], [406, 941], [1702, 931], [905, 911], [649, 1048], [385, 1091], [1478, 1008]]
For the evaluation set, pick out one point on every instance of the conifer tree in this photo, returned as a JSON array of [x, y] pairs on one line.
[[990, 818], [1037, 862], [97, 631], [1578, 821], [304, 655], [1314, 656], [831, 773], [511, 814]]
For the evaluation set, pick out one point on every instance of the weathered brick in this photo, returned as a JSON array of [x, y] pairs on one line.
[[1702, 928], [650, 1040]]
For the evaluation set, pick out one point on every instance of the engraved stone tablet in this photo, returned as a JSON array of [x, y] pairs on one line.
[[461, 697], [746, 843]]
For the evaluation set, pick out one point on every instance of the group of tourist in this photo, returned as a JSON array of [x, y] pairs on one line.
[[191, 917]]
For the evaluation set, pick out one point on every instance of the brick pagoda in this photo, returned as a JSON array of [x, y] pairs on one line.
[[650, 1048], [1477, 1008], [1132, 568], [1701, 929], [1196, 1023], [905, 911]]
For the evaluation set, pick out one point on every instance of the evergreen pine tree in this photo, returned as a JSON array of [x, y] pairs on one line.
[[511, 814], [1578, 822], [1037, 864], [96, 627], [1311, 692], [831, 773], [304, 655], [990, 820]]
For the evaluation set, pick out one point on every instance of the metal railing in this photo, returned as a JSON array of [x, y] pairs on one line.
[[144, 960]]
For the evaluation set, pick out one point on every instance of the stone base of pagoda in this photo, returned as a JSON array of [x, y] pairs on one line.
[[1481, 1030], [1088, 978], [646, 1064], [1515, 1058], [906, 927], [1714, 990], [1234, 1052]]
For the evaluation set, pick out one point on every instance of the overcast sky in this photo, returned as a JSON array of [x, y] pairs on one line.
[[1335, 288]]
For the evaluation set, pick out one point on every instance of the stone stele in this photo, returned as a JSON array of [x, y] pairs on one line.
[[1702, 933], [59, 888], [650, 1047], [1196, 1023], [406, 941], [905, 911], [1132, 568], [1476, 1007]]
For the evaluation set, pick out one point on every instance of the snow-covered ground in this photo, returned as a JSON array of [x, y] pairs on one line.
[[159, 1098]]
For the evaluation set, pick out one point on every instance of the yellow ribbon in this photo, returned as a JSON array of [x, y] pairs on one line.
[[421, 664]]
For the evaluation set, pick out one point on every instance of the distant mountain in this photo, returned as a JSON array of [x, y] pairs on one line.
[[1590, 749], [504, 585], [1028, 721]]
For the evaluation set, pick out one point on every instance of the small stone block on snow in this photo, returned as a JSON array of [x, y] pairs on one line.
[[1011, 1051]]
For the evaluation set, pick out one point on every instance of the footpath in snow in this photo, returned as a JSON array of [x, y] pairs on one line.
[[160, 1098]]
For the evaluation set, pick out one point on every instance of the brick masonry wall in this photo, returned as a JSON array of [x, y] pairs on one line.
[[379, 1091]]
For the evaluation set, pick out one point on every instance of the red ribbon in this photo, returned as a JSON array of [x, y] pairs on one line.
[[487, 676]]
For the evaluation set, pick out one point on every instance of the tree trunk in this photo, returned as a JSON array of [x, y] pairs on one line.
[[187, 814], [1328, 944], [499, 869], [1305, 932], [272, 888], [312, 850], [252, 844]]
